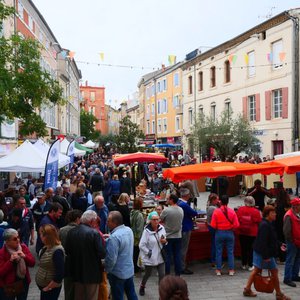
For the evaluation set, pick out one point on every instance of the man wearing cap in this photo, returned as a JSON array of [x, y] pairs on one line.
[[291, 230], [187, 226]]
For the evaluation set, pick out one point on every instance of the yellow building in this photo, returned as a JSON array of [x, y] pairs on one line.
[[162, 101]]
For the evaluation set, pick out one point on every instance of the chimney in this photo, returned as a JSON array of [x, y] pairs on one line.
[[86, 83], [163, 67]]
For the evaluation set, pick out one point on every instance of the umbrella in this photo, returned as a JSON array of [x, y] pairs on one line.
[[81, 147], [290, 164], [216, 169], [163, 146], [89, 144], [139, 157]]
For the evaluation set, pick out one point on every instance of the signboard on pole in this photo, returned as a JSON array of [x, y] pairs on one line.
[[51, 168]]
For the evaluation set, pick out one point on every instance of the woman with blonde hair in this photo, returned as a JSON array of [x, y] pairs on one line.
[[50, 272], [122, 207]]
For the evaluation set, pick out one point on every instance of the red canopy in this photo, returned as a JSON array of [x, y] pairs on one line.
[[290, 164], [139, 157], [216, 169]]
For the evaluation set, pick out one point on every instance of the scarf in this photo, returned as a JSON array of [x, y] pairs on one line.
[[21, 265]]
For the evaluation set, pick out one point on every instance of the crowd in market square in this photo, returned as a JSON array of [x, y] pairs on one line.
[[92, 236]]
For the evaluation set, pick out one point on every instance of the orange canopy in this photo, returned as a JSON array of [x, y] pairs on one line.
[[216, 169], [290, 164], [139, 157]]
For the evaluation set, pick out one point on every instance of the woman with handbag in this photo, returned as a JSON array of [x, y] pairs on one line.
[[15, 258], [264, 253], [50, 272], [151, 249]]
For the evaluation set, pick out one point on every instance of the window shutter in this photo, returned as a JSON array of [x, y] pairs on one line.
[[268, 104], [257, 107], [285, 103], [245, 106]]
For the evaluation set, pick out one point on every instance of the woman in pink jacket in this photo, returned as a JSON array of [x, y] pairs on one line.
[[249, 217], [224, 221]]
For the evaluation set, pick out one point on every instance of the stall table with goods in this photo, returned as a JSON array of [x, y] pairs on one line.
[[199, 247]]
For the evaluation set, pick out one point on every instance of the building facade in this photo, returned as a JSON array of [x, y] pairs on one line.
[[256, 74], [113, 117], [94, 103]]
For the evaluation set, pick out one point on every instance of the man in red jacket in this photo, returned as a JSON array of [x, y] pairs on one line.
[[291, 230]]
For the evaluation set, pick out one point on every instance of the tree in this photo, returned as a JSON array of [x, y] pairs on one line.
[[87, 126], [227, 135], [24, 85], [129, 133]]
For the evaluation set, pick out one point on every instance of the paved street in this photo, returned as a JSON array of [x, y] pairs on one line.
[[203, 284]]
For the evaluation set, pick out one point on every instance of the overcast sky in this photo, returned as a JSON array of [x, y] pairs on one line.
[[143, 33]]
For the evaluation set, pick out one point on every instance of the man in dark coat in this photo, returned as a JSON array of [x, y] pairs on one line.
[[97, 183], [125, 183], [84, 250]]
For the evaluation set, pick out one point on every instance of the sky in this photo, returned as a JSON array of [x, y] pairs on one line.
[[140, 34]]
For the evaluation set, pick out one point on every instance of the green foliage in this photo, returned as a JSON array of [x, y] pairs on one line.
[[24, 85], [87, 126], [227, 135], [129, 134], [107, 139]]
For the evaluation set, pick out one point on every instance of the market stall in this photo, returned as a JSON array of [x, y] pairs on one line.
[[140, 157]]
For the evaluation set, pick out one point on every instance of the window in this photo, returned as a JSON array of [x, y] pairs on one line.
[[164, 85], [213, 111], [190, 84], [164, 107], [177, 123], [158, 87], [158, 107], [152, 109], [153, 126], [176, 79], [148, 127], [276, 50], [251, 64], [227, 107], [200, 110], [200, 88], [153, 90], [20, 10], [148, 109], [165, 124], [176, 102], [82, 94], [277, 103], [190, 116], [159, 125], [93, 96], [252, 108], [30, 23], [227, 71], [212, 76]]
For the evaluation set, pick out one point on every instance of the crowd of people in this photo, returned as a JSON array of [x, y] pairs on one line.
[[92, 236]]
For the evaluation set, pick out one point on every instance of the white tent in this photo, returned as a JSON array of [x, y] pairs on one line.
[[63, 160], [26, 158], [90, 144], [64, 144], [284, 155]]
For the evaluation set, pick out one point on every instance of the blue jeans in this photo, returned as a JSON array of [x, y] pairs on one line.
[[118, 286], [292, 262], [173, 251], [213, 244], [224, 237]]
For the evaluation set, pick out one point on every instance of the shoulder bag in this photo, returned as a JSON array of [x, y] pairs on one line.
[[13, 290], [264, 284], [163, 251]]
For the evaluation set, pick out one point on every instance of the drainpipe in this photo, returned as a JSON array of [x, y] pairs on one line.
[[155, 111], [295, 81]]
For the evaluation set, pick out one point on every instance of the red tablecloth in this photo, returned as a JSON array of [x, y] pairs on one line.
[[199, 247]]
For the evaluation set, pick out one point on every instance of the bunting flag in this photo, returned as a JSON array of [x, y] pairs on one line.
[[282, 56], [270, 57], [102, 56], [230, 58], [71, 54], [51, 168], [54, 53], [234, 59], [172, 59], [246, 58]]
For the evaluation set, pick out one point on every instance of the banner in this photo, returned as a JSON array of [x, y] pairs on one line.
[[70, 153], [51, 168]]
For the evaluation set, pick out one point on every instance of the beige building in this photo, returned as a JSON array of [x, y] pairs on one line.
[[255, 73], [113, 117]]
